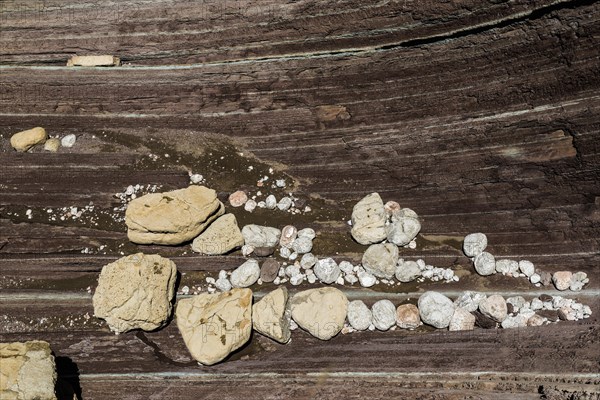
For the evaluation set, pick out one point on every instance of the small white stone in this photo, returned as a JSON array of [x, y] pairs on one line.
[[293, 256], [526, 268], [285, 252], [311, 278], [247, 250], [536, 304], [280, 183], [535, 278], [327, 270], [292, 270], [185, 290], [250, 205], [223, 284], [271, 202], [261, 204], [412, 244], [222, 274], [384, 315], [351, 278], [210, 280], [68, 141], [308, 260], [346, 267], [293, 325], [474, 244], [365, 278], [246, 274], [297, 279], [340, 280], [359, 316], [284, 204], [308, 233], [302, 245], [196, 178]]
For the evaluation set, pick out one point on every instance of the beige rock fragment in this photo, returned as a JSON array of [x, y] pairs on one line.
[[135, 292], [27, 371], [222, 236], [214, 325], [172, 218], [24, 140]]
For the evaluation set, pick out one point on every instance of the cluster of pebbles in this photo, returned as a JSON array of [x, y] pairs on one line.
[[485, 264], [286, 203], [26, 140]]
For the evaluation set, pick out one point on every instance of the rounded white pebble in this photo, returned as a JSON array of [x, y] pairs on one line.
[[250, 205], [68, 141]]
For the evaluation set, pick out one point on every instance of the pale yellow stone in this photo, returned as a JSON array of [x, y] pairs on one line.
[[172, 218], [270, 318], [220, 237], [214, 325], [135, 292], [23, 141], [94, 61], [52, 145], [27, 371], [321, 311]]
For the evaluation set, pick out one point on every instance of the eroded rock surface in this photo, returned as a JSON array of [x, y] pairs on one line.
[[221, 237], [381, 259], [368, 220], [270, 318], [321, 312], [27, 371], [214, 325], [135, 292], [172, 218]]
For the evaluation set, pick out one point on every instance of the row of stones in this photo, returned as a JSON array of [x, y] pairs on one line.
[[25, 140], [286, 203], [485, 264], [135, 292]]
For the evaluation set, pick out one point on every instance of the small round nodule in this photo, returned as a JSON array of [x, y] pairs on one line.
[[485, 264], [474, 244]]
